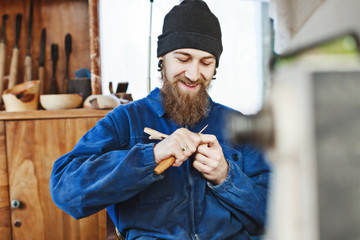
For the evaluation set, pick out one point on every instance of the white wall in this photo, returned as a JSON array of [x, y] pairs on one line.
[[124, 31], [301, 22]]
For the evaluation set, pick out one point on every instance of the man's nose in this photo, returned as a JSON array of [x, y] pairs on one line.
[[193, 72]]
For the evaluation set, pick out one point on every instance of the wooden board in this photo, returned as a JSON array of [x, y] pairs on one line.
[[5, 226], [54, 114]]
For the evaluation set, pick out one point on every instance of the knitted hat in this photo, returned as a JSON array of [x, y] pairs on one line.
[[191, 24]]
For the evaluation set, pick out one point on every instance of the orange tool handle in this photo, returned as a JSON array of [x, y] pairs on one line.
[[164, 164]]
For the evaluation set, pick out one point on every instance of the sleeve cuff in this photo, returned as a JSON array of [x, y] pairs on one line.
[[149, 158], [225, 185]]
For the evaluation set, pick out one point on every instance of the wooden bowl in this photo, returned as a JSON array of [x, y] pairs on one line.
[[99, 101], [22, 97], [60, 101]]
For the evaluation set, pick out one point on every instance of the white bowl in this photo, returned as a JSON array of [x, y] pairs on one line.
[[60, 101]]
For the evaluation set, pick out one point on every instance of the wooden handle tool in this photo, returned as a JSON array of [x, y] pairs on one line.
[[2, 69], [28, 64], [54, 58], [41, 73], [14, 68], [166, 163], [28, 61], [41, 70], [67, 54], [15, 53], [2, 55], [163, 165]]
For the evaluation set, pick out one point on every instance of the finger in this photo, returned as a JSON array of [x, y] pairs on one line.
[[209, 139], [205, 150], [204, 169], [189, 140], [211, 163]]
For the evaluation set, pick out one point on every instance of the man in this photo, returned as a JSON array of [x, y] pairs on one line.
[[214, 190]]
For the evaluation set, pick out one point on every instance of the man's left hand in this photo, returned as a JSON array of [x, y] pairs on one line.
[[210, 160]]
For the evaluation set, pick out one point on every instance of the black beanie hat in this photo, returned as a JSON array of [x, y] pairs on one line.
[[191, 24]]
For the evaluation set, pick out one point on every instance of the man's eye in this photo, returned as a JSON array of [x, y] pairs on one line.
[[206, 63], [183, 59]]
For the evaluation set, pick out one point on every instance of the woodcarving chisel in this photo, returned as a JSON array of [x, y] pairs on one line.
[[2, 55], [67, 54], [164, 164], [42, 61], [28, 62], [15, 53], [54, 59]]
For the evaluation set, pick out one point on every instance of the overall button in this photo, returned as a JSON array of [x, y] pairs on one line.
[[235, 157]]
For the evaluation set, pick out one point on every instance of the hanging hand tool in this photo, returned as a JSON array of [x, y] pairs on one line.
[[54, 58], [28, 62], [164, 164], [42, 61], [2, 55], [67, 52], [15, 53]]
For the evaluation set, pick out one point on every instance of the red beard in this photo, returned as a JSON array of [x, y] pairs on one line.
[[184, 109]]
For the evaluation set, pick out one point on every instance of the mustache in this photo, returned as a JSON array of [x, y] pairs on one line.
[[183, 78]]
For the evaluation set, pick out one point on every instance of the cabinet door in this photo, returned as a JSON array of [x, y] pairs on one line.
[[5, 230], [32, 148]]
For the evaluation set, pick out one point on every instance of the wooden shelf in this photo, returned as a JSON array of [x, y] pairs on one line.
[[52, 114]]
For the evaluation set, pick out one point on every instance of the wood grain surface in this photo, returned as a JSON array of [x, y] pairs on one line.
[[5, 227], [54, 114], [32, 148], [94, 47]]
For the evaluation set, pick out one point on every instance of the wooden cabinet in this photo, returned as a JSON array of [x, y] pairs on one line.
[[30, 142]]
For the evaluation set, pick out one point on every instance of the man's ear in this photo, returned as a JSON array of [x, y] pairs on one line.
[[160, 64], [213, 78]]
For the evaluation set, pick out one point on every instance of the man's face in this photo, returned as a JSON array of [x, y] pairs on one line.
[[187, 74], [189, 69]]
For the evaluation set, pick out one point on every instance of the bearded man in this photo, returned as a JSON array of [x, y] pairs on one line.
[[214, 189]]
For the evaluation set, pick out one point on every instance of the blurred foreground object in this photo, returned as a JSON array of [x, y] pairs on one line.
[[310, 129]]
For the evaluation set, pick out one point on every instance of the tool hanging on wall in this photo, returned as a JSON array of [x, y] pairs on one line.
[[2, 55], [149, 59], [15, 53], [41, 70], [54, 58], [28, 62], [67, 53]]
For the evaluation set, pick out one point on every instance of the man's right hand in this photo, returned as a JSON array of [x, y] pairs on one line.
[[181, 144]]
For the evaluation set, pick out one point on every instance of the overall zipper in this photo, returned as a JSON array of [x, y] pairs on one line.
[[196, 237], [192, 206]]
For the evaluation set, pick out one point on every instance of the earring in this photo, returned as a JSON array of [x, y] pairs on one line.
[[160, 66], [213, 78]]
